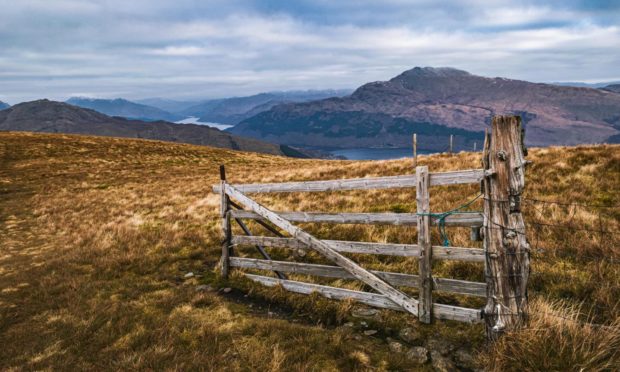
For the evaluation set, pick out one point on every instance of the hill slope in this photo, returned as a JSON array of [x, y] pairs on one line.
[[612, 88], [56, 117], [436, 102], [97, 234], [123, 108], [235, 109]]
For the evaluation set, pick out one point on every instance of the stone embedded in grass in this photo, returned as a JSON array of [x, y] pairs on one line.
[[418, 354], [370, 332], [409, 335], [439, 345], [395, 346], [203, 288], [349, 324], [189, 275], [464, 359], [227, 290], [441, 363], [363, 312]]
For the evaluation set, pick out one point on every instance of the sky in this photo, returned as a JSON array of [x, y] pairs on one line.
[[192, 49]]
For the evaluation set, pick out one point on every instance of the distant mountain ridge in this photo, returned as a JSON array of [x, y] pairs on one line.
[[169, 105], [235, 109], [123, 108], [57, 117], [437, 102], [612, 88], [4, 105]]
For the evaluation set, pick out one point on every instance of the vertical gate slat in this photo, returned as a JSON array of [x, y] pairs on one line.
[[226, 228], [425, 309]]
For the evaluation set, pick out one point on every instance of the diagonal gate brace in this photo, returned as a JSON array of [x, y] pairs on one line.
[[407, 303]]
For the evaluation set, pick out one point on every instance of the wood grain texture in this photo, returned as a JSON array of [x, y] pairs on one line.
[[388, 249], [507, 259], [405, 219], [389, 182], [396, 279], [409, 304], [424, 243], [440, 311]]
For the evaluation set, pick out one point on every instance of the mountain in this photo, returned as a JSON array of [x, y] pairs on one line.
[[169, 105], [57, 117], [585, 85], [236, 109], [612, 88], [437, 102], [4, 105], [123, 108]]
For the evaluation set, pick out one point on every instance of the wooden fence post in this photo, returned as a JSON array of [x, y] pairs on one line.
[[506, 247], [415, 150], [425, 307], [226, 228], [451, 143]]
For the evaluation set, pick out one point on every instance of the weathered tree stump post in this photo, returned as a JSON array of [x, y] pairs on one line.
[[507, 262], [226, 228], [425, 306]]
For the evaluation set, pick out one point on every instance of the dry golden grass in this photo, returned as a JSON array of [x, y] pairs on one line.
[[97, 234]]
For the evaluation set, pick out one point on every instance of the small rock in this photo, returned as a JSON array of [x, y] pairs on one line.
[[464, 359], [362, 312], [357, 337], [442, 346], [370, 332], [349, 324], [270, 314], [189, 275], [227, 290], [409, 335], [418, 354], [441, 363], [203, 288], [395, 346], [364, 324]]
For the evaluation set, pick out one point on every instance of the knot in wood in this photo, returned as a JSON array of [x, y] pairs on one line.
[[501, 155], [509, 240]]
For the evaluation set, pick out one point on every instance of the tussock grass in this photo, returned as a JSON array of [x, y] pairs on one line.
[[96, 235], [558, 338]]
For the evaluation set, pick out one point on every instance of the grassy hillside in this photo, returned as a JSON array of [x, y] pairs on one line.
[[97, 234]]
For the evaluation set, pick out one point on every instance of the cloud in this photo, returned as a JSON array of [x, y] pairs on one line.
[[201, 49]]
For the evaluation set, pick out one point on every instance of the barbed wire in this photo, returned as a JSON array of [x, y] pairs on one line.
[[570, 204]]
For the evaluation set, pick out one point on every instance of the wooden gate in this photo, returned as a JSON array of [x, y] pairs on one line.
[[237, 205]]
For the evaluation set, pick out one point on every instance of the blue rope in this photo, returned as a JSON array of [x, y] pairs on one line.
[[441, 218]]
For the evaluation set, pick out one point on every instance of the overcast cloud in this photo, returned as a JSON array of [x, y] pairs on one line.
[[201, 49]]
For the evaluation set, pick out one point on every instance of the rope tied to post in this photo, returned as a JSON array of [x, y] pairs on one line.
[[441, 219]]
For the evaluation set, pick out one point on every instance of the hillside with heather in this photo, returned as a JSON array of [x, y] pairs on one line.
[[56, 117], [437, 102], [110, 246]]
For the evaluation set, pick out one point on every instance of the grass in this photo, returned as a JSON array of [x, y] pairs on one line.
[[96, 235]]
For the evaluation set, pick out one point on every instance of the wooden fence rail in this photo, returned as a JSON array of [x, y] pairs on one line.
[[505, 253], [456, 219], [377, 183], [389, 249]]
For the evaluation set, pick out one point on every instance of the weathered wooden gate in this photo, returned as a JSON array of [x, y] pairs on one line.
[[506, 253]]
